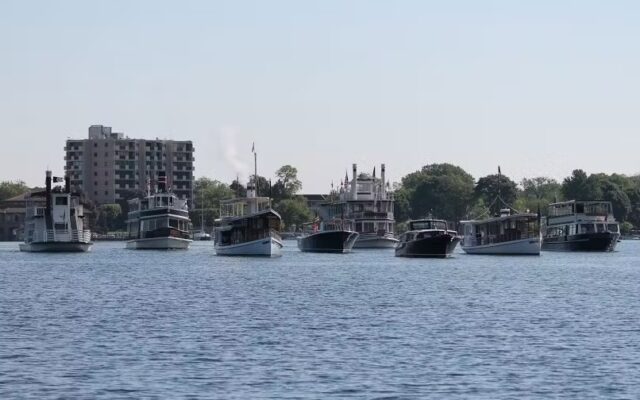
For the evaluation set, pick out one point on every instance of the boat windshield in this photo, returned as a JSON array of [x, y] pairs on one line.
[[427, 224]]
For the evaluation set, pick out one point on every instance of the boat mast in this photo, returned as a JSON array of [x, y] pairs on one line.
[[255, 167]]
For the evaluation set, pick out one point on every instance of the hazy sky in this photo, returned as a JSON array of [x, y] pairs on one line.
[[538, 87]]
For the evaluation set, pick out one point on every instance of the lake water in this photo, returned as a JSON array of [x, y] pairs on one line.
[[117, 323]]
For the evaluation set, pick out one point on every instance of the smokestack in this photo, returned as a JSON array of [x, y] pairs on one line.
[[47, 185], [384, 183], [162, 182], [354, 183]]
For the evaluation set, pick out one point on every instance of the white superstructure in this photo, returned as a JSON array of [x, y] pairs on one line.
[[367, 202], [59, 225]]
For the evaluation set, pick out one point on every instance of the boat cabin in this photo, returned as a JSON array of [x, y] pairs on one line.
[[249, 228], [580, 217], [158, 215], [505, 228]]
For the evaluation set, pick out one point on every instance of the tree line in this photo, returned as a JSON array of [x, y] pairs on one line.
[[440, 190], [449, 192]]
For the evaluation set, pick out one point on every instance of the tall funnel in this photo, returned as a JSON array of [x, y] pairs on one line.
[[354, 183], [384, 183]]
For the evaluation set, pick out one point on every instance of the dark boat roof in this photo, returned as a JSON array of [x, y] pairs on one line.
[[427, 220], [502, 218], [247, 216]]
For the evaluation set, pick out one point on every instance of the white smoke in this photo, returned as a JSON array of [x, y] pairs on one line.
[[228, 136]]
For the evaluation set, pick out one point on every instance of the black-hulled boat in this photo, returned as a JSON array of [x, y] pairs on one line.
[[427, 238], [581, 226], [327, 237]]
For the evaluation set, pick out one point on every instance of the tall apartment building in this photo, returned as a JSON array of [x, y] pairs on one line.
[[108, 166]]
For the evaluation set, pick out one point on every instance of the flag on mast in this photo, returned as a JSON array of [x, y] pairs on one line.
[[253, 147]]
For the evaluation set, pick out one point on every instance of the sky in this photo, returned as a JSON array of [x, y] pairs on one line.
[[538, 87]]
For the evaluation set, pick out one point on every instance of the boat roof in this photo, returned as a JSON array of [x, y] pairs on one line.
[[502, 218], [247, 216], [560, 203], [427, 220]]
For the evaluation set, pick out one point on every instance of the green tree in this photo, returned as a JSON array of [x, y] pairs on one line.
[[294, 212], [577, 186], [442, 190], [538, 192], [287, 183], [490, 186], [109, 218], [402, 204], [9, 189], [207, 196]]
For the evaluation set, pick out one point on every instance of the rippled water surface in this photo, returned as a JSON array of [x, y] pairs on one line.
[[117, 323]]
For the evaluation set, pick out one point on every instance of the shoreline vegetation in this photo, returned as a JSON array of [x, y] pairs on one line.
[[442, 190]]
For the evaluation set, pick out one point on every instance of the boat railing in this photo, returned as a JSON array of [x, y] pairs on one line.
[[60, 235], [372, 215], [275, 234]]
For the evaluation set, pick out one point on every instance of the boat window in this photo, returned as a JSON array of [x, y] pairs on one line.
[[579, 208], [601, 227], [367, 227], [173, 223], [587, 228], [61, 201], [612, 228]]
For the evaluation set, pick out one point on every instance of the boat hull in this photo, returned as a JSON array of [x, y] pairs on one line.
[[530, 246], [374, 241], [56, 247], [328, 242], [440, 246], [265, 247], [599, 242], [159, 243]]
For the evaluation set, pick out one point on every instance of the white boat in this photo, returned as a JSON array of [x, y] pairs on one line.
[[159, 221], [159, 243], [54, 220], [201, 235], [248, 226], [366, 201], [507, 234], [266, 247]]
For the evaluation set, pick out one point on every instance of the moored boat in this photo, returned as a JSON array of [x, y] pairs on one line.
[[427, 238], [248, 226], [581, 226], [507, 234], [59, 225], [201, 235], [159, 221], [366, 202], [334, 236]]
